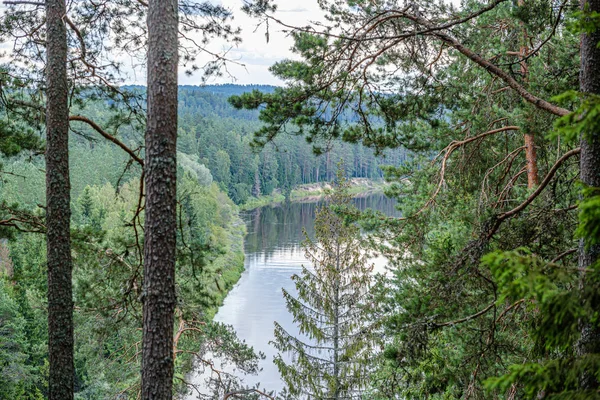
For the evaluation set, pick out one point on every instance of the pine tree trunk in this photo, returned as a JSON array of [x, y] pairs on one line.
[[336, 327], [160, 217], [531, 157], [58, 207], [590, 175], [530, 151]]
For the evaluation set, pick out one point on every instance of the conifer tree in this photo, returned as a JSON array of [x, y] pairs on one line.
[[58, 207], [331, 357], [160, 240]]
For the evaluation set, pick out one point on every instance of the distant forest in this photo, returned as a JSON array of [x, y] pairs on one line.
[[219, 136]]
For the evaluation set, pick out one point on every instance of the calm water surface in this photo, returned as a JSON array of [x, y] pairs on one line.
[[273, 255]]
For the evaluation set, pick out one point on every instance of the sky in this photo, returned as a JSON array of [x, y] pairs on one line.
[[253, 56], [254, 52]]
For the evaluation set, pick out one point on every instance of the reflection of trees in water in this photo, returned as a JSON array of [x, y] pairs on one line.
[[273, 228]]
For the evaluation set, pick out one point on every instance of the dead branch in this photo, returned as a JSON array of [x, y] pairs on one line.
[[510, 156], [542, 186], [19, 2], [247, 391], [465, 319], [108, 136]]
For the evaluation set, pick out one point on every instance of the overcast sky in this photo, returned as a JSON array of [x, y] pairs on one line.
[[255, 53]]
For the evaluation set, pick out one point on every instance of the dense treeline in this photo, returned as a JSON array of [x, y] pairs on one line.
[[220, 137], [213, 133]]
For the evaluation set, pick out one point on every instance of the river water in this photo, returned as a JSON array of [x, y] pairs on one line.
[[273, 254]]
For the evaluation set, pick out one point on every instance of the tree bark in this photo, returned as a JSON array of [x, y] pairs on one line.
[[336, 324], [160, 217], [530, 151], [589, 342], [531, 156], [58, 207]]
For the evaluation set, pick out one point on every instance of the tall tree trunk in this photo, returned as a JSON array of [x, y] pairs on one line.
[[589, 342], [160, 217], [531, 157], [336, 323], [530, 151], [58, 207]]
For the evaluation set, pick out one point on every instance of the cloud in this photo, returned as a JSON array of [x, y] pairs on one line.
[[294, 10], [254, 52]]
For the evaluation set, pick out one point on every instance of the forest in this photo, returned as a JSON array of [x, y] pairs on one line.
[[123, 230]]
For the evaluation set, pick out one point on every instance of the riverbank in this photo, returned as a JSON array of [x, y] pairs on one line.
[[273, 250], [226, 270], [313, 192], [218, 278]]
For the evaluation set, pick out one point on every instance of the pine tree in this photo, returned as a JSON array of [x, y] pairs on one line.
[[160, 170], [58, 207], [331, 358], [588, 346]]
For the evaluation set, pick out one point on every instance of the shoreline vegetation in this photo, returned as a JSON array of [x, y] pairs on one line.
[[313, 192], [234, 265]]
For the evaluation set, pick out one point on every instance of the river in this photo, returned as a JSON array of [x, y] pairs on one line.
[[273, 254]]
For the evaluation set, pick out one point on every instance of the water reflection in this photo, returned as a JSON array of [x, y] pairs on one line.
[[273, 254], [271, 229]]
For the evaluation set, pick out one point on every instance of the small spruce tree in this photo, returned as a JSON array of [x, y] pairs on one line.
[[331, 358]]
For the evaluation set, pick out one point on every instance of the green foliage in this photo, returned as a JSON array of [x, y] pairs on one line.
[[583, 121], [14, 369], [546, 290], [454, 324], [16, 137], [24, 319], [197, 171], [336, 345], [16, 134], [584, 21], [589, 216]]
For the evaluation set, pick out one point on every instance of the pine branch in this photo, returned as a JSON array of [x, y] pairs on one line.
[[542, 185], [465, 319], [108, 136], [23, 2]]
